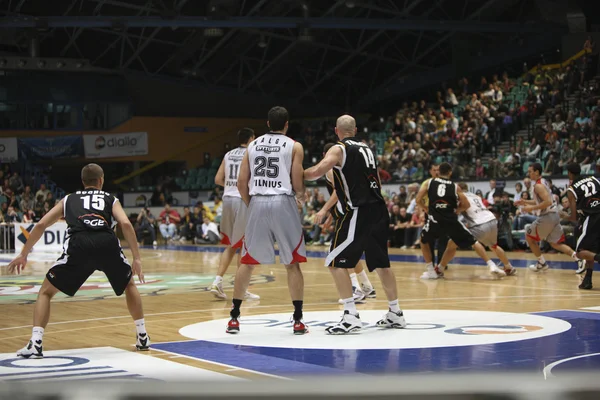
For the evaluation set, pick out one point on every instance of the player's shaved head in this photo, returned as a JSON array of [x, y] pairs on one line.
[[346, 124], [91, 175], [463, 186]]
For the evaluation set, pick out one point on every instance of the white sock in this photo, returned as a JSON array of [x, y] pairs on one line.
[[218, 279], [140, 326], [349, 305], [364, 278], [541, 260], [37, 333], [354, 280], [491, 264], [429, 266], [394, 307]]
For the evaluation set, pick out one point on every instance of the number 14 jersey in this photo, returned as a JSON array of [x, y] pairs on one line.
[[270, 159]]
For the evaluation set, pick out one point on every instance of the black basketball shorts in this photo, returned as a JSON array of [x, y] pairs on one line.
[[87, 252], [357, 231], [456, 231], [589, 234]]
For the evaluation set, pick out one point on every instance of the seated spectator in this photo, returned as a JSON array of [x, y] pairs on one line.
[[168, 220], [145, 221], [28, 216], [210, 233], [46, 209], [26, 202], [401, 221], [42, 192], [413, 231], [16, 183], [206, 212], [187, 229], [50, 199], [11, 215], [523, 218]]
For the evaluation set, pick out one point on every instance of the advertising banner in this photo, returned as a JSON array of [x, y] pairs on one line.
[[51, 241], [116, 145], [48, 148], [8, 150]]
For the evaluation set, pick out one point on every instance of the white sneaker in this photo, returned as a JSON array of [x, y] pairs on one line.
[[143, 342], [433, 273], [358, 295], [251, 296], [348, 324], [538, 267], [154, 244], [369, 291], [497, 272], [33, 350], [392, 320], [217, 291], [580, 267]]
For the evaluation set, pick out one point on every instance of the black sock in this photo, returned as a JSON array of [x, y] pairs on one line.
[[297, 309], [588, 274], [597, 257], [235, 310]]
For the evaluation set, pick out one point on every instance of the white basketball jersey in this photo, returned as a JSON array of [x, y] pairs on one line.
[[477, 214], [553, 208], [270, 158], [233, 160]]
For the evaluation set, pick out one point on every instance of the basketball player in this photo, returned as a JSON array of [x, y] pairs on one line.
[[442, 242], [363, 228], [547, 226], [91, 245], [233, 219], [584, 200], [446, 200], [270, 174], [483, 225]]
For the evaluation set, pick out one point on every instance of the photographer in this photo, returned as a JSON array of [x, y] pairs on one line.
[[504, 210], [145, 221]]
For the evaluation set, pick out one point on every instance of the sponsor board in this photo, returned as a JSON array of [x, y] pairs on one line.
[[100, 363], [8, 150], [426, 329], [116, 145], [52, 239], [24, 289]]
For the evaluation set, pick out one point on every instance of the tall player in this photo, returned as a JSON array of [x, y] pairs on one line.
[[363, 289], [584, 200], [483, 225], [442, 241], [270, 175], [91, 245], [547, 226], [446, 201], [233, 220], [362, 229]]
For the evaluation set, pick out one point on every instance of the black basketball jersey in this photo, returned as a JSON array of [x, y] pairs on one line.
[[443, 199], [356, 182], [89, 210], [587, 194]]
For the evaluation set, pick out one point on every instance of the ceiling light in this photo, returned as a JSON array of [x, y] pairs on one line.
[[350, 4], [22, 63], [262, 43], [79, 64], [60, 64], [213, 32], [41, 64]]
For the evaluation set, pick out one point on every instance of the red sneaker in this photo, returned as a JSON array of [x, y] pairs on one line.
[[233, 326], [300, 328]]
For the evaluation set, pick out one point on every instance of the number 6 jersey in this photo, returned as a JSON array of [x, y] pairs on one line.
[[233, 160], [443, 200], [89, 210], [270, 159]]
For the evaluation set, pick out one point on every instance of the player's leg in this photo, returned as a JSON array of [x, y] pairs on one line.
[[448, 255], [365, 284], [217, 286], [429, 235], [509, 270], [533, 236], [588, 248], [136, 310], [487, 235], [441, 249]]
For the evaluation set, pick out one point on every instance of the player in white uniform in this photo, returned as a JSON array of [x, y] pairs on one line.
[[547, 225], [233, 220], [483, 225], [270, 178]]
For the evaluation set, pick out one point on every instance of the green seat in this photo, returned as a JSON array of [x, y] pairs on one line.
[[202, 171]]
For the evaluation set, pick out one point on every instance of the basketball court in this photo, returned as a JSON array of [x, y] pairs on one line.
[[467, 322]]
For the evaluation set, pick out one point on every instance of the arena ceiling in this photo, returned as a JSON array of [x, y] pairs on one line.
[[328, 51]]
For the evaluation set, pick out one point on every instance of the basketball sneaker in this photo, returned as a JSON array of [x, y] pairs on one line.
[[586, 284], [233, 326], [369, 291], [143, 342], [217, 291], [433, 273], [392, 320], [348, 324], [580, 267], [251, 296], [497, 272], [300, 328], [510, 271], [359, 296], [538, 267], [33, 350]]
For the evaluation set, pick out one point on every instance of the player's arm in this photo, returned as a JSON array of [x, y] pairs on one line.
[[129, 233], [48, 220], [331, 159], [323, 212], [220, 176], [421, 196], [543, 194], [244, 179], [297, 174], [572, 205]]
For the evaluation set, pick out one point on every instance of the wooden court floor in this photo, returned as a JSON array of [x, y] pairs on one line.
[[175, 296]]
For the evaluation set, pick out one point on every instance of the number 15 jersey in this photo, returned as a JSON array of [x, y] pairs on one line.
[[89, 210], [270, 159]]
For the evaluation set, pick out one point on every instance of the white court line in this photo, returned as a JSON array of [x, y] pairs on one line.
[[548, 368]]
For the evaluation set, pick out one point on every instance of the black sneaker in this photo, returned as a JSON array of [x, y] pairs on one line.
[[586, 285], [143, 342]]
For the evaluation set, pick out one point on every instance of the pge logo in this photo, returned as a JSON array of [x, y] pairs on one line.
[[493, 329]]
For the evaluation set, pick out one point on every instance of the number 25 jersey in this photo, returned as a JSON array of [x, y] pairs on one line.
[[89, 210], [270, 159]]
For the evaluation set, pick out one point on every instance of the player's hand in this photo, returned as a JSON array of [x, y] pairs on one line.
[[137, 270], [528, 209], [519, 202], [320, 216], [17, 265]]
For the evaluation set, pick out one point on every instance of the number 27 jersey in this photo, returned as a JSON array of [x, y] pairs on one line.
[[89, 210], [270, 159]]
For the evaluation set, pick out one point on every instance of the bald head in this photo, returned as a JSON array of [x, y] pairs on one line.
[[92, 175], [346, 126]]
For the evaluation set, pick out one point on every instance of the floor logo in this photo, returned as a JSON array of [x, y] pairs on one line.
[[24, 289], [426, 329]]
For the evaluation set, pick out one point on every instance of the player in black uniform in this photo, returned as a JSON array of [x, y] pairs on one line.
[[446, 202], [91, 245], [363, 228], [584, 200]]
